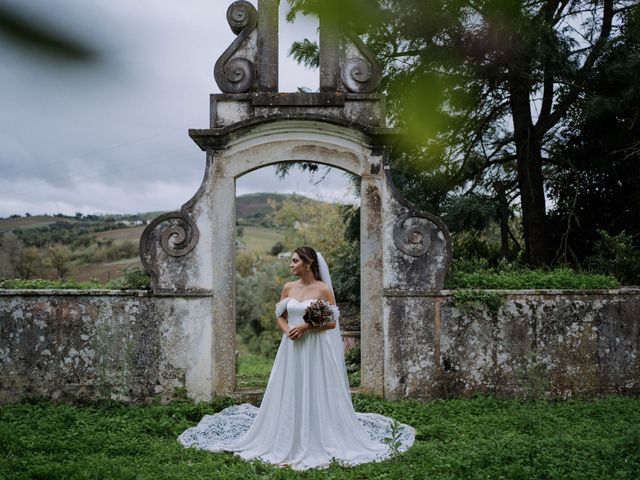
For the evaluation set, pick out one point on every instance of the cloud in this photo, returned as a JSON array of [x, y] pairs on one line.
[[112, 136]]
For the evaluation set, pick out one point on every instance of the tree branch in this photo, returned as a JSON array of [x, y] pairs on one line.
[[545, 123]]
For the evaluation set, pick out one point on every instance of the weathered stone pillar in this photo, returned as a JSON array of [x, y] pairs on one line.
[[372, 340], [223, 255], [268, 45], [329, 56]]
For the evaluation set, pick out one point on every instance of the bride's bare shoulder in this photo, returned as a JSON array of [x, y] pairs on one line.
[[325, 291], [286, 288]]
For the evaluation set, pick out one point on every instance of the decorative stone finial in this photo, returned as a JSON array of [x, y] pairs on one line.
[[360, 72], [250, 63], [235, 69]]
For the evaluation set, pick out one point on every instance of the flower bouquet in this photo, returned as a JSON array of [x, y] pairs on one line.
[[318, 313]]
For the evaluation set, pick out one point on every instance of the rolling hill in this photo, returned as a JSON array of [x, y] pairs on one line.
[[89, 237]]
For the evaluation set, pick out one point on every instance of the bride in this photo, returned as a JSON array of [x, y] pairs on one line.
[[306, 418]]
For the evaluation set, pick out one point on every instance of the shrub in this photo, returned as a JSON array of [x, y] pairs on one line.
[[616, 255], [115, 251], [277, 248], [135, 278], [476, 273]]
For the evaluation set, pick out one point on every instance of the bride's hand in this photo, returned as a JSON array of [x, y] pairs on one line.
[[297, 331]]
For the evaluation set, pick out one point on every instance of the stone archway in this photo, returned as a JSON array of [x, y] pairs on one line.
[[404, 252], [394, 237], [301, 141]]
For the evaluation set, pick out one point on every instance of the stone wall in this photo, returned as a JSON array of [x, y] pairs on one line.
[[89, 345], [555, 344], [140, 347]]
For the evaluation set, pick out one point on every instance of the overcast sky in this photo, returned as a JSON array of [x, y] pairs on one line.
[[111, 136]]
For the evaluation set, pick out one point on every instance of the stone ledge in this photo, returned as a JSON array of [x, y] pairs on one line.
[[389, 292], [385, 293], [100, 293]]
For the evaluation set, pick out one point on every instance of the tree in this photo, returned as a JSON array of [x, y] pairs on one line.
[[277, 248], [30, 262], [482, 88], [11, 248], [58, 257], [313, 223], [600, 189]]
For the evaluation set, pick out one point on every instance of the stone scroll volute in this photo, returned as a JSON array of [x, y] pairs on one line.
[[164, 244], [360, 72], [235, 70], [418, 246]]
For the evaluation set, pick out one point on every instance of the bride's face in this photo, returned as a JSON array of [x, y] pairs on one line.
[[297, 266]]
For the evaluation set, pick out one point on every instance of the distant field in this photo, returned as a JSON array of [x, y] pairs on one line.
[[8, 224], [131, 233], [260, 239], [103, 271], [257, 239]]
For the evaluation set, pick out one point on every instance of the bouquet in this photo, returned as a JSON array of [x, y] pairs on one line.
[[318, 313]]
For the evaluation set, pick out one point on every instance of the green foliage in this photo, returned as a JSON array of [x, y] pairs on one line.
[[468, 300], [306, 52], [345, 274], [616, 255], [354, 379], [256, 295], [533, 378], [393, 440], [68, 230], [134, 279], [11, 249], [477, 274], [597, 183], [473, 212], [352, 361], [471, 246], [252, 370], [313, 223], [277, 248], [112, 251], [39, 283], [456, 439], [58, 257], [459, 76]]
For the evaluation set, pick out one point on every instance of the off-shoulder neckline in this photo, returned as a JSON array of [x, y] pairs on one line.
[[305, 300]]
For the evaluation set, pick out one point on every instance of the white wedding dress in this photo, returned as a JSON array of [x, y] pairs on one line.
[[306, 418]]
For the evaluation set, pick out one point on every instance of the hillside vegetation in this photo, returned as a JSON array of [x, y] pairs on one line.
[[102, 247]]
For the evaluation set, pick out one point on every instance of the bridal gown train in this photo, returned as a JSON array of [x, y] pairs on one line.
[[306, 417]]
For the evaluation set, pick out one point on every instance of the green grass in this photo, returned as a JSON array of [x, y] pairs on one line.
[[456, 439], [252, 370]]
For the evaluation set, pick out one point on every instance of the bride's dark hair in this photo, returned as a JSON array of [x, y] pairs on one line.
[[309, 256]]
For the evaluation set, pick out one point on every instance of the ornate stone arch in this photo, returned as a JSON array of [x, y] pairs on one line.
[[404, 252], [193, 250]]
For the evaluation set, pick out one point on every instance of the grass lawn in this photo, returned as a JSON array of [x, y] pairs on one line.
[[456, 439], [252, 371]]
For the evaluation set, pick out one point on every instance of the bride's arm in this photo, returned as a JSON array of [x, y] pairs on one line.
[[282, 318]]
